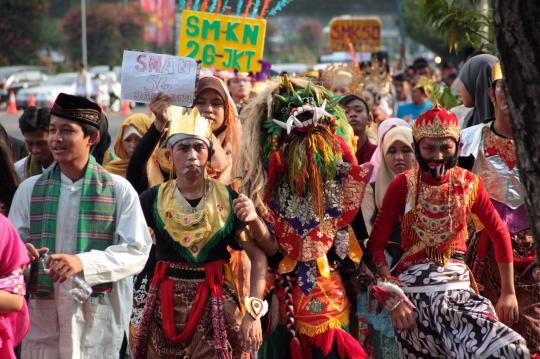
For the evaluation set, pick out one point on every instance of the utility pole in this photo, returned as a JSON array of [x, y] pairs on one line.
[[83, 34]]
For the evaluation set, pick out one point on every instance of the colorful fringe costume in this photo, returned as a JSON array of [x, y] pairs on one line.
[[311, 195]]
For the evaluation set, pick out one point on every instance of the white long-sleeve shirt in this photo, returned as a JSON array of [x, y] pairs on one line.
[[61, 327]]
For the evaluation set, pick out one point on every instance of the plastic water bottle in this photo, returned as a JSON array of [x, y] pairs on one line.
[[79, 289]]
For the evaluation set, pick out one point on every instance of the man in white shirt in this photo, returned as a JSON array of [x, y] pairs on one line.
[[92, 225]]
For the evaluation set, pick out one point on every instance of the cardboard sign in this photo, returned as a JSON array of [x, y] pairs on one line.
[[221, 41], [363, 33], [144, 74]]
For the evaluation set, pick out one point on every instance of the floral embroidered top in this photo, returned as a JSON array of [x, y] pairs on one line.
[[433, 217], [303, 237]]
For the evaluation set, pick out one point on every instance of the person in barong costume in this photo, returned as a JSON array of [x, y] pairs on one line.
[[92, 225], [34, 126], [192, 309], [489, 151], [435, 311], [299, 167]]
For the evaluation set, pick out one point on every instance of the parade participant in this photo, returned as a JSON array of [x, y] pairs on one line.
[[14, 322], [420, 103], [240, 87], [132, 130], [100, 150], [298, 164], [91, 224], [402, 90], [373, 98], [213, 101], [34, 125], [359, 117], [192, 309], [434, 309], [475, 76], [377, 157], [397, 156], [489, 150], [18, 149], [8, 176]]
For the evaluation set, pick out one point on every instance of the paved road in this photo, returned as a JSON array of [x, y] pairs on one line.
[[11, 123]]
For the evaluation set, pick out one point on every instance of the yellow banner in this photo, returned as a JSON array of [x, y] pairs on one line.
[[363, 33], [222, 41]]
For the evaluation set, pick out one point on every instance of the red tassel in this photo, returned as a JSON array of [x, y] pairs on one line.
[[346, 152], [275, 167], [347, 346], [296, 348]]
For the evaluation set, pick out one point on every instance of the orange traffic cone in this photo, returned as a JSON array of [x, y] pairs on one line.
[[12, 104], [126, 110], [32, 100]]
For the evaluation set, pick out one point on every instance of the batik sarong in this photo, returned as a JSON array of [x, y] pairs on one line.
[[452, 321]]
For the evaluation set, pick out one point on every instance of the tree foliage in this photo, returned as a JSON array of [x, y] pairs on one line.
[[111, 28], [418, 29], [20, 26], [462, 23]]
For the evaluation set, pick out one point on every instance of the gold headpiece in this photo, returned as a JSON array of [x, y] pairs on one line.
[[343, 75], [496, 72], [375, 75], [187, 122]]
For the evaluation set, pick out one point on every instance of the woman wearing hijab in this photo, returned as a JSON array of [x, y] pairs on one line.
[[397, 156], [475, 79], [127, 139], [384, 127]]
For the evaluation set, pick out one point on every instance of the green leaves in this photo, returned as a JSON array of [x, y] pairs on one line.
[[462, 22]]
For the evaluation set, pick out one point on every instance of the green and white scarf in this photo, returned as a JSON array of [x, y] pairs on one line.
[[97, 217]]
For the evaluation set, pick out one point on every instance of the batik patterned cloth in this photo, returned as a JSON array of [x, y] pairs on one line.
[[202, 343], [453, 322]]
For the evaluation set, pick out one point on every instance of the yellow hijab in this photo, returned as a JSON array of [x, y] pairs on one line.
[[142, 123]]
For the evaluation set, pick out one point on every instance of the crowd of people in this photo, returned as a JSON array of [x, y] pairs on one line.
[[333, 214]]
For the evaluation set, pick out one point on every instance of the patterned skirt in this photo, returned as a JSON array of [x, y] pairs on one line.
[[201, 344], [452, 321]]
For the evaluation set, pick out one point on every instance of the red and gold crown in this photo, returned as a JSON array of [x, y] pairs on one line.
[[436, 123]]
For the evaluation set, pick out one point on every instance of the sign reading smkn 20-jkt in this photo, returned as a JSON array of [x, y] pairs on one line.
[[223, 42], [363, 33]]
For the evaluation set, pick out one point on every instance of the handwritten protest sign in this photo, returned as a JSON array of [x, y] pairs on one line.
[[221, 41], [363, 33], [144, 74]]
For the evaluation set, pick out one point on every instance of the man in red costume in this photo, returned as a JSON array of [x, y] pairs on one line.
[[435, 310]]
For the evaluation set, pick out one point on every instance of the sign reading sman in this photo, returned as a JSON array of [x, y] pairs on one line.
[[144, 74], [363, 33], [221, 41]]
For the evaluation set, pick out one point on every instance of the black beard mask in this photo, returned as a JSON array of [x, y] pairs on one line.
[[436, 168]]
